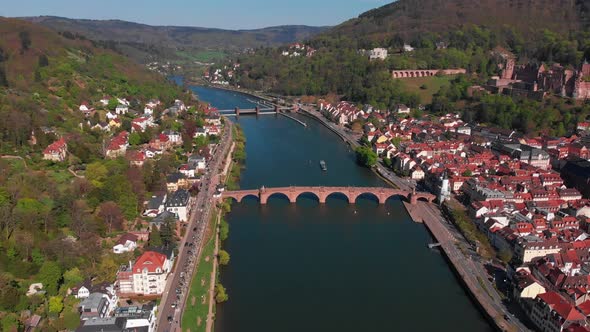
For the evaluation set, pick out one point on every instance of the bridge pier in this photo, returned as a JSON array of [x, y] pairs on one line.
[[257, 110], [237, 110]]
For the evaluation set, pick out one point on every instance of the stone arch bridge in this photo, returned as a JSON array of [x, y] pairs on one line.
[[322, 193]]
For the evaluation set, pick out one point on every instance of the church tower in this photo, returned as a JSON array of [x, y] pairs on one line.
[[445, 188]]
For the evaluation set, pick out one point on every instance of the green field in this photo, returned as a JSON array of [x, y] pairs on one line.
[[203, 56], [432, 84], [194, 317]]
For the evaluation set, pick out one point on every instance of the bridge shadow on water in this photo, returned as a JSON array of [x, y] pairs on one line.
[[366, 208]]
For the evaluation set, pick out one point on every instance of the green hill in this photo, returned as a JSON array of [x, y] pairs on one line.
[[44, 77], [59, 220], [444, 33], [407, 19], [145, 43]]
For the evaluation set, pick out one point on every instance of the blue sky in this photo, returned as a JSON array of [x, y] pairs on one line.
[[227, 14]]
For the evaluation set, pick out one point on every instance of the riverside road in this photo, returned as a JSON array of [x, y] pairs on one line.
[[189, 249]]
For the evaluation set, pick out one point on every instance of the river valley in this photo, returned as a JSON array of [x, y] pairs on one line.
[[332, 267]]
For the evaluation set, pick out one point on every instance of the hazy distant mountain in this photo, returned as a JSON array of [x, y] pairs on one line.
[[141, 40]]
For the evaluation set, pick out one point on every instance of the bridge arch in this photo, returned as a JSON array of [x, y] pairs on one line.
[[240, 198], [310, 194], [372, 196], [264, 199], [339, 193], [400, 195], [423, 198]]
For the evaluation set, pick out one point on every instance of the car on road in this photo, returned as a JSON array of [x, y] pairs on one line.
[[170, 319]]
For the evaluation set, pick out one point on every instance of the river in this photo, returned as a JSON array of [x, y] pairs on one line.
[[332, 267]]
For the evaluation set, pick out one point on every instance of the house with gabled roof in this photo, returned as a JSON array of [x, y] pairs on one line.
[[56, 151], [146, 276], [117, 147], [552, 312], [178, 203], [126, 243]]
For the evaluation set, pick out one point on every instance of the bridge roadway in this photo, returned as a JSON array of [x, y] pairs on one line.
[[257, 110], [322, 193]]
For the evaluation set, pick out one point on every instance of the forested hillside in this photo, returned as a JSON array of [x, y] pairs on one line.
[[145, 43], [58, 219], [410, 19]]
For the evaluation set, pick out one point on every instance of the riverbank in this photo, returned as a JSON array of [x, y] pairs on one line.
[[463, 265], [350, 141]]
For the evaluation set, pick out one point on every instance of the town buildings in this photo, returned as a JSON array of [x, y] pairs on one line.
[[527, 195]]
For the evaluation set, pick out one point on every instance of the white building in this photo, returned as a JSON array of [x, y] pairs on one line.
[[121, 109], [179, 203], [378, 54], [147, 276], [127, 243], [408, 48]]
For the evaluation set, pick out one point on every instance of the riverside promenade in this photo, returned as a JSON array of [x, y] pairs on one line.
[[468, 267]]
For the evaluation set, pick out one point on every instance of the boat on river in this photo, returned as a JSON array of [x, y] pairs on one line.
[[323, 165]]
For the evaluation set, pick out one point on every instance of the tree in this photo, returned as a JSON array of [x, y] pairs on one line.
[[220, 293], [167, 233], [80, 218], [134, 138], [25, 40], [56, 305], [155, 238], [37, 256], [387, 162], [467, 173], [111, 215], [9, 295], [223, 257], [50, 276], [113, 103], [223, 230], [28, 210], [7, 220], [3, 79], [366, 156], [107, 270], [96, 173], [73, 277], [71, 320], [9, 323], [43, 61]]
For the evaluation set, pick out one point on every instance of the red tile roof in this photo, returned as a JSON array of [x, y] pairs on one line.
[[149, 260]]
